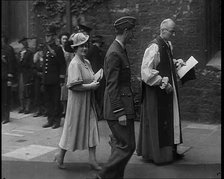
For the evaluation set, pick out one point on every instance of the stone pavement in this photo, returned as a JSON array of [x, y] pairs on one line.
[[28, 151]]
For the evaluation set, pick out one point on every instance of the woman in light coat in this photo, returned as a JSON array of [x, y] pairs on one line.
[[80, 130]]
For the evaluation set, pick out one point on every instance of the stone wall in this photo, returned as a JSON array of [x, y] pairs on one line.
[[200, 99]]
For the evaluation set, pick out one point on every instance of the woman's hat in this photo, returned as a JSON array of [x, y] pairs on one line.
[[79, 39]]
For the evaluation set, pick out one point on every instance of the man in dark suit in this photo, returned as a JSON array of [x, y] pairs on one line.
[[96, 57], [7, 64], [53, 76], [118, 100], [25, 76]]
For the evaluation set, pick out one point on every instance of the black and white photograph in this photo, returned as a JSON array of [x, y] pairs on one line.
[[111, 89]]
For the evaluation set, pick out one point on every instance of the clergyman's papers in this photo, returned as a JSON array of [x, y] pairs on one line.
[[190, 63]]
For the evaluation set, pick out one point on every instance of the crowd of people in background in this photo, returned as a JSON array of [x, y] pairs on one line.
[[34, 81]]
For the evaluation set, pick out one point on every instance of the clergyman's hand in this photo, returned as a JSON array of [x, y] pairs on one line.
[[164, 82], [122, 120], [169, 88], [179, 63]]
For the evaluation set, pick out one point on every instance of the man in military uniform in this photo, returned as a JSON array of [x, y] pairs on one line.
[[7, 65], [25, 76], [118, 100], [96, 57], [54, 74]]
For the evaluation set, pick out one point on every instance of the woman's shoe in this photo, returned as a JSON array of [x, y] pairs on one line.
[[95, 166], [59, 161]]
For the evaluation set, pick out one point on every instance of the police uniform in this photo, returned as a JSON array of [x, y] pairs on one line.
[[53, 75], [118, 101]]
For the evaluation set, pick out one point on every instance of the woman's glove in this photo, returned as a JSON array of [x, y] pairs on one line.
[[94, 85]]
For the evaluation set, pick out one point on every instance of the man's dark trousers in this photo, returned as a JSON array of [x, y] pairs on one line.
[[5, 101], [52, 95], [123, 146]]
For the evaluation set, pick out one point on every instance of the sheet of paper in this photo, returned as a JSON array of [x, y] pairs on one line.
[[99, 75], [190, 63]]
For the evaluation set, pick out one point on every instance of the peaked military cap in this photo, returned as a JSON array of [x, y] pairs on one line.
[[126, 22], [83, 27], [22, 39]]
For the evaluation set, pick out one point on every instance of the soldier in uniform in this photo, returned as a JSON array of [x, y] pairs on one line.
[[25, 76], [54, 74], [118, 100], [7, 76]]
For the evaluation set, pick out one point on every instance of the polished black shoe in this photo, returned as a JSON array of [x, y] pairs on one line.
[[5, 121], [21, 110], [44, 114], [37, 114], [26, 112], [177, 156], [55, 126], [47, 125]]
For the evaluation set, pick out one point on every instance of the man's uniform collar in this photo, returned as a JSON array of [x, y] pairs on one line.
[[122, 45]]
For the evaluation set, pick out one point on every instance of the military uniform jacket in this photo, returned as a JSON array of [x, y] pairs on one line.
[[54, 67], [118, 98], [25, 65], [6, 65]]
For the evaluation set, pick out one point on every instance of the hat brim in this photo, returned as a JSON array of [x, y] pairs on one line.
[[76, 45], [50, 34], [22, 40], [85, 28]]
